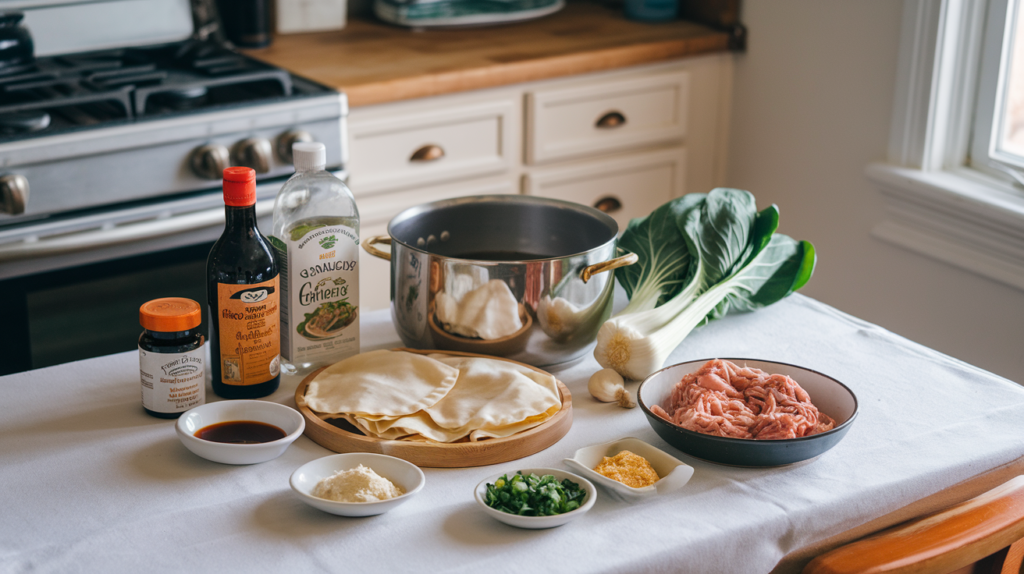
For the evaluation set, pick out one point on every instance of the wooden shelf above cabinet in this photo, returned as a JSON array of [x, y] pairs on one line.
[[376, 63]]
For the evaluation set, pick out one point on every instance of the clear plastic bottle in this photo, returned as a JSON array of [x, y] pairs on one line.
[[316, 240]]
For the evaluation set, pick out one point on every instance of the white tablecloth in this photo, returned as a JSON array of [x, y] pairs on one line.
[[91, 483]]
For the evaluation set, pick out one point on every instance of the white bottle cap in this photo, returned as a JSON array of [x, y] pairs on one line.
[[309, 156]]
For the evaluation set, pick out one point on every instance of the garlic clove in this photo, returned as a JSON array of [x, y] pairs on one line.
[[605, 385]]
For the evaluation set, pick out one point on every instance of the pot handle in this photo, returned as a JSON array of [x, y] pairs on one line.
[[591, 270], [369, 242]]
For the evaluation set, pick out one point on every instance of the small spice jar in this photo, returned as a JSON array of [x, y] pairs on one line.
[[172, 361]]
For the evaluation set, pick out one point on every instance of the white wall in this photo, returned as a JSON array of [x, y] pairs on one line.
[[811, 107]]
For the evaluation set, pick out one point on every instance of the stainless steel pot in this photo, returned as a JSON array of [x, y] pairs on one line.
[[514, 276]]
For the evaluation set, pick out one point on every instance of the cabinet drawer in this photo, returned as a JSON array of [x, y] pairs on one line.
[[376, 211], [606, 115], [624, 187], [391, 150]]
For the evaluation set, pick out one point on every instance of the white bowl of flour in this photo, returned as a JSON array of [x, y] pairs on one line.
[[361, 484]]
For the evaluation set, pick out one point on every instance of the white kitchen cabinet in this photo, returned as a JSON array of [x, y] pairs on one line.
[[628, 186], [605, 115], [433, 142], [544, 138]]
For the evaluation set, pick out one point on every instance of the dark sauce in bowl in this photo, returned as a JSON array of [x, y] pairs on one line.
[[241, 432]]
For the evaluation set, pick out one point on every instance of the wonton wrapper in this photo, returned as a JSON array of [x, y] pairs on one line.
[[489, 312], [381, 383], [492, 394], [488, 398], [420, 426]]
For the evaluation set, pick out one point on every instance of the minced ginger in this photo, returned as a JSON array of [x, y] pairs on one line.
[[360, 484], [630, 469]]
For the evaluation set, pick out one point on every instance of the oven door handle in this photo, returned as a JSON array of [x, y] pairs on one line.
[[120, 234]]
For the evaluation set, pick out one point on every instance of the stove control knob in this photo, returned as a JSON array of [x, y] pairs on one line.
[[254, 153], [285, 141], [209, 161], [13, 194]]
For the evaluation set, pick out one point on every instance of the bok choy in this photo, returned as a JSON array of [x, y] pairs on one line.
[[733, 261]]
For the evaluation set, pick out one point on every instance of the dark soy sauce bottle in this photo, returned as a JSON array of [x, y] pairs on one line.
[[243, 295]]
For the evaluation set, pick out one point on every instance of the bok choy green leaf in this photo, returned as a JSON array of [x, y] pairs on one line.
[[735, 262], [664, 264]]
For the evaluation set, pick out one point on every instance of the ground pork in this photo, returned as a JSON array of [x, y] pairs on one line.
[[727, 400]]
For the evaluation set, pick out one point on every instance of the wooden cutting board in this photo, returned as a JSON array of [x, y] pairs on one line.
[[433, 454]]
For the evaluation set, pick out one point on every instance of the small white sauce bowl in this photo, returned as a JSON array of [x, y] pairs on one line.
[[287, 419], [537, 522], [405, 475], [673, 473]]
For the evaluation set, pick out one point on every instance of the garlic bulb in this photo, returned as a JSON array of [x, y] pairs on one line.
[[607, 386], [627, 350]]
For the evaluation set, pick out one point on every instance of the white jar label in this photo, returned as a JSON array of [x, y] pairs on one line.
[[320, 297], [173, 382]]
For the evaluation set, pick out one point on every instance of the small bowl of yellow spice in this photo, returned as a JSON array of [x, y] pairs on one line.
[[357, 484], [629, 469]]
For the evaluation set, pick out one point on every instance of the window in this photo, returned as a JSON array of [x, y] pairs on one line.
[[954, 182], [997, 137]]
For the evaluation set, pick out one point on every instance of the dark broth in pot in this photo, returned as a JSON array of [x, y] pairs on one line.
[[501, 256]]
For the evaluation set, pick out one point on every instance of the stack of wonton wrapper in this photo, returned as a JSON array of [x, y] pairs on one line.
[[398, 395]]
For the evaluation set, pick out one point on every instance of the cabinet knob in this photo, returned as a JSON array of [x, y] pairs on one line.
[[285, 141], [13, 194], [209, 161], [429, 152], [254, 153], [609, 204], [611, 120]]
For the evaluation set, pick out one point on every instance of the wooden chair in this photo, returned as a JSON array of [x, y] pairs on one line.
[[980, 536]]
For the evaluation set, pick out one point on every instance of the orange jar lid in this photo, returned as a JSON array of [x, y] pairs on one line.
[[170, 315]]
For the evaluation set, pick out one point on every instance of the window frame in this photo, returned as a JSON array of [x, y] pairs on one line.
[[990, 101], [937, 204]]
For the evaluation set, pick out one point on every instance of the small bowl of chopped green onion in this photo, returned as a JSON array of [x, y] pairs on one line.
[[536, 497]]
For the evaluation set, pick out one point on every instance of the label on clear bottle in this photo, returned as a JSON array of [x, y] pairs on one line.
[[320, 321], [250, 342], [173, 382]]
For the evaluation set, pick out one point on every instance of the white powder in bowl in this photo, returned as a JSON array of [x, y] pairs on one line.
[[360, 484]]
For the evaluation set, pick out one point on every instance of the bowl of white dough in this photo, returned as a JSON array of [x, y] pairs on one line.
[[357, 484]]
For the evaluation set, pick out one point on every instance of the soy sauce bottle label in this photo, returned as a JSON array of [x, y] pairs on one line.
[[250, 335]]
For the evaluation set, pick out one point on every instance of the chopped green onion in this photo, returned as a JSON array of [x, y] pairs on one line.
[[533, 495]]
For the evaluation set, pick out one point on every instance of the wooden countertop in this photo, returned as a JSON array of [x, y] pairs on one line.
[[375, 62]]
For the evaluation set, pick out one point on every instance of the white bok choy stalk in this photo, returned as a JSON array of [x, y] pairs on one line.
[[736, 263]]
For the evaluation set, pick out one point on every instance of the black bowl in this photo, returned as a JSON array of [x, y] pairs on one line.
[[830, 396]]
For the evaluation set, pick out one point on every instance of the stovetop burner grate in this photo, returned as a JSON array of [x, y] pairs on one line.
[[133, 83]]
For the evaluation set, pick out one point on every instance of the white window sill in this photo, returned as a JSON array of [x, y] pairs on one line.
[[960, 217]]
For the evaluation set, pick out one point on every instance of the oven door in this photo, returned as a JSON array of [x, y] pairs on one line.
[[76, 294]]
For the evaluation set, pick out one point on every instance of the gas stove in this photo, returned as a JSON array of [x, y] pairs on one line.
[[118, 151]]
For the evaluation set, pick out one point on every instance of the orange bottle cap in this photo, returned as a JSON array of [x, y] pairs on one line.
[[239, 186], [170, 315]]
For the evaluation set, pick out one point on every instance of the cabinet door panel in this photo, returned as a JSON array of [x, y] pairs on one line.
[[606, 115], [431, 145], [625, 187]]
